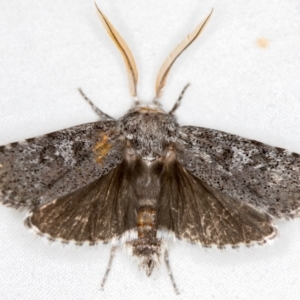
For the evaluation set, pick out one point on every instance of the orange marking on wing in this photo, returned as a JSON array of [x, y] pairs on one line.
[[101, 148]]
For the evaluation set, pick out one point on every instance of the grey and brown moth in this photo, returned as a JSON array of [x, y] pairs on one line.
[[143, 175]]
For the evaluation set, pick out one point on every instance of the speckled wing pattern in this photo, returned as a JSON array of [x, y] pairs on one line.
[[41, 169], [251, 172], [199, 213]]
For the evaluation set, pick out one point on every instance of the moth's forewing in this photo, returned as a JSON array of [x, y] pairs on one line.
[[41, 169], [249, 171], [199, 213]]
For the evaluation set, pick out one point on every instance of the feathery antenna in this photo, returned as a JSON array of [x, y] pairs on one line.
[[124, 50], [166, 66]]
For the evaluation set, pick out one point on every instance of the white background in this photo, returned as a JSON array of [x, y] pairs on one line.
[[50, 48]]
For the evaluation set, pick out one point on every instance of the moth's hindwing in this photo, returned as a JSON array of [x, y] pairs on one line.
[[42, 169], [252, 172], [99, 211], [199, 213]]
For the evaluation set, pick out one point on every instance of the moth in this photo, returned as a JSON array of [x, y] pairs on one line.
[[143, 176]]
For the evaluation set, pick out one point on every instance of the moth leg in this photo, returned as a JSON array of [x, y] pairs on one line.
[[100, 113], [112, 255], [176, 105], [166, 258]]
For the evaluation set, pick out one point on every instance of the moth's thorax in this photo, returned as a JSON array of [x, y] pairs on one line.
[[149, 130]]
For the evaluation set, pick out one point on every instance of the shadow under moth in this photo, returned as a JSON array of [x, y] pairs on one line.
[[134, 178]]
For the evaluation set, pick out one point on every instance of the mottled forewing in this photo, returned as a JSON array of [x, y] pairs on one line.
[[100, 211], [201, 214], [41, 169], [264, 176]]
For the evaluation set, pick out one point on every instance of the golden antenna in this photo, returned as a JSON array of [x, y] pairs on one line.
[[166, 66], [125, 51]]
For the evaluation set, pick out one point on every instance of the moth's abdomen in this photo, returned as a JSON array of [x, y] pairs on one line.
[[146, 222], [147, 247]]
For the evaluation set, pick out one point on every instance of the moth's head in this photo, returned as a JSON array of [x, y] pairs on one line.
[[164, 70], [148, 109]]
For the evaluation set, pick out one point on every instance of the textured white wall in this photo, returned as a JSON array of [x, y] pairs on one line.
[[49, 48]]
